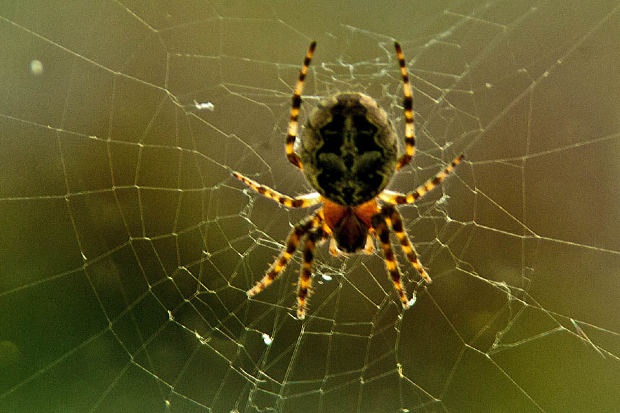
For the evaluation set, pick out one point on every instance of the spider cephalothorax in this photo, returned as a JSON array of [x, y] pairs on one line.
[[348, 154]]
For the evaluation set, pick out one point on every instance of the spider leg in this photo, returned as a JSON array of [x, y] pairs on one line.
[[302, 201], [293, 125], [292, 241], [395, 222], [397, 198], [304, 285], [408, 106], [382, 233]]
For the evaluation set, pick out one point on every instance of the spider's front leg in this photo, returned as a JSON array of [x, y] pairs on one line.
[[395, 222], [304, 285], [292, 241], [382, 232]]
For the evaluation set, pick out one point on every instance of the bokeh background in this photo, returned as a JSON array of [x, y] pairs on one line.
[[126, 247]]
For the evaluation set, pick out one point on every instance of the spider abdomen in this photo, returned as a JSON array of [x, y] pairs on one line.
[[349, 149]]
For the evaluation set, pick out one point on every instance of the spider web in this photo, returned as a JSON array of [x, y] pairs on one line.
[[127, 247]]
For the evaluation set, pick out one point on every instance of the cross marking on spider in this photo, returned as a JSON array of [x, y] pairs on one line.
[[349, 153]]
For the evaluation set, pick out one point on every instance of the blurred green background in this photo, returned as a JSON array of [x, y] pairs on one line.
[[126, 247]]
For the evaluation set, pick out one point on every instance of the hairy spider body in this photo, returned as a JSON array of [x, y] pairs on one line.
[[348, 155], [350, 224], [349, 149]]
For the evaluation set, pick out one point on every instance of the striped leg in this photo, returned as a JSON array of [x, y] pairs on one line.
[[395, 222], [408, 106], [302, 201], [293, 125], [304, 285], [397, 198], [292, 241], [383, 235]]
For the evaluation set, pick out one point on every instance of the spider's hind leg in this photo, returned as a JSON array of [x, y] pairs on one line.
[[293, 124], [408, 107]]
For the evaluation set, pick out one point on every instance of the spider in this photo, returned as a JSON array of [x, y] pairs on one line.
[[348, 154]]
